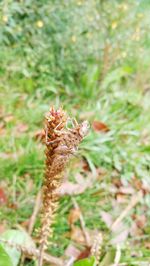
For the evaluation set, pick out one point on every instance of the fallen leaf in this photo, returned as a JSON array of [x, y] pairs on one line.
[[3, 198], [76, 234], [2, 129], [8, 118], [121, 198], [127, 190], [122, 193], [116, 181], [137, 183], [147, 245], [135, 230], [120, 237], [119, 228], [99, 126], [101, 172], [85, 166], [107, 218], [69, 188], [25, 224], [72, 251], [74, 216], [140, 220], [84, 253], [21, 128], [12, 205]]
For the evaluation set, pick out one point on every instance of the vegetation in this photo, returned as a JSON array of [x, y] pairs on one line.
[[92, 58]]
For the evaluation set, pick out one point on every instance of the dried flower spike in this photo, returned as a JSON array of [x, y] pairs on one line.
[[61, 143], [96, 247]]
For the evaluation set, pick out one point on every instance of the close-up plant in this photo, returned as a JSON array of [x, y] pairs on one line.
[[74, 128]]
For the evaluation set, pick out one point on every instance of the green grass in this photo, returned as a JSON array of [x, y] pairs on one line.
[[92, 58]]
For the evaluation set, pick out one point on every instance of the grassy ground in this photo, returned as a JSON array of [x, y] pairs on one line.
[[92, 58]]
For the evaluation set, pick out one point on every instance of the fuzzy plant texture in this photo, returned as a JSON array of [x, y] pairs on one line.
[[61, 143]]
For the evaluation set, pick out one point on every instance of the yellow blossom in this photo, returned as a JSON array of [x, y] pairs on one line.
[[114, 25], [5, 19], [137, 30], [140, 15], [124, 54], [39, 23], [73, 38], [124, 7], [79, 3]]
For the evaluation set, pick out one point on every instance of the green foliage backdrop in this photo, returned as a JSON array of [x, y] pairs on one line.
[[92, 57]]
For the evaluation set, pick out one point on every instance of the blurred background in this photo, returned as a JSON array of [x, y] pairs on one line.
[[93, 58]]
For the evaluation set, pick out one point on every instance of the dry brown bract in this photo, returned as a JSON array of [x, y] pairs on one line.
[[61, 143]]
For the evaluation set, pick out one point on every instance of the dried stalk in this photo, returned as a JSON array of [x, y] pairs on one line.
[[117, 256], [61, 143], [36, 210], [33, 219], [82, 222]]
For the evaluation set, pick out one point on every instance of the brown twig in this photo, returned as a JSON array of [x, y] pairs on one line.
[[134, 200], [36, 210], [82, 222]]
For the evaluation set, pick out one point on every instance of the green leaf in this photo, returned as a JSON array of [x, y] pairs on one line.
[[108, 258], [16, 237], [4, 258], [86, 262]]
